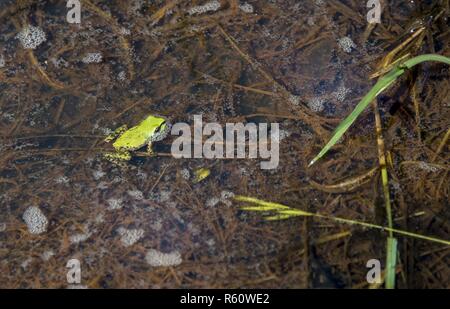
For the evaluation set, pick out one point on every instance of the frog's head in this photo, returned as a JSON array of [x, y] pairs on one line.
[[162, 127], [154, 121]]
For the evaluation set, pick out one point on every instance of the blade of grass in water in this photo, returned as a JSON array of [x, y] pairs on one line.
[[381, 85], [390, 255], [281, 212], [391, 262]]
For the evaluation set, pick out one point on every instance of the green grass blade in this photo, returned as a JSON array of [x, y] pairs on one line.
[[391, 262], [381, 85], [425, 58]]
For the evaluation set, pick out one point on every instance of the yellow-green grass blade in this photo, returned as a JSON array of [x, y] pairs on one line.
[[280, 217], [286, 212], [256, 201], [258, 208]]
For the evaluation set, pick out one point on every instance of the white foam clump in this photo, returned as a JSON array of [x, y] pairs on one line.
[[282, 135], [80, 237], [98, 174], [346, 44], [427, 167], [36, 221], [185, 174], [47, 255], [246, 7], [31, 37], [122, 76], [225, 197], [59, 62], [130, 236], [157, 258], [164, 195], [294, 99], [100, 218], [115, 203], [92, 58], [157, 225], [213, 201], [26, 263], [316, 104], [77, 238], [207, 7], [341, 93], [62, 180], [136, 194]]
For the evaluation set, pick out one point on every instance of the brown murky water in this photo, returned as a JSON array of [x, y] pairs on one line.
[[303, 64]]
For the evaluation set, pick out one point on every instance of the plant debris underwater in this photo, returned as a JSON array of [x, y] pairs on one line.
[[64, 87]]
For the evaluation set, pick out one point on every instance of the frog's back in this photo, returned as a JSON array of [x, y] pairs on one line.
[[132, 139], [139, 135]]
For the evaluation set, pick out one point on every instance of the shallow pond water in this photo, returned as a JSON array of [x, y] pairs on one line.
[[302, 64]]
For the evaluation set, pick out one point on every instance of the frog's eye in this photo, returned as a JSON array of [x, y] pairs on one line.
[[161, 127]]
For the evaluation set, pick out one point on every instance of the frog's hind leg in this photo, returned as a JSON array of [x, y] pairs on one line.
[[119, 158], [150, 151], [117, 132]]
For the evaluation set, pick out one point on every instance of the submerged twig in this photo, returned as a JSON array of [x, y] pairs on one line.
[[347, 185], [441, 145], [45, 78]]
